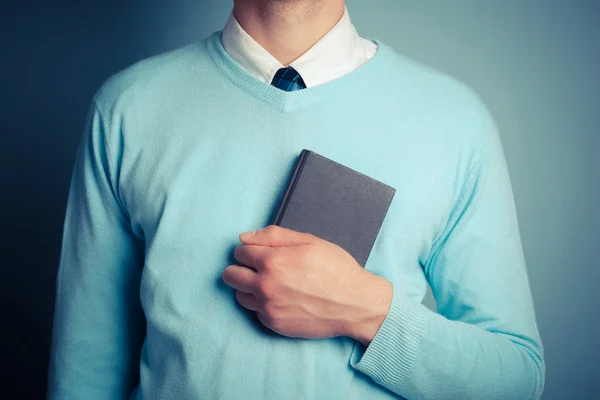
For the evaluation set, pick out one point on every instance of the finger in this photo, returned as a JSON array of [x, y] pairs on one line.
[[240, 278], [247, 300], [277, 236], [251, 255], [265, 321]]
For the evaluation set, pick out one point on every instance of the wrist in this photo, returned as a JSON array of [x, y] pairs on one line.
[[375, 304]]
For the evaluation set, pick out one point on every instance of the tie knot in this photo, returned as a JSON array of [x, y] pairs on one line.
[[288, 79]]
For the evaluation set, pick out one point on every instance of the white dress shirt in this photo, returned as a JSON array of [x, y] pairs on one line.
[[338, 52]]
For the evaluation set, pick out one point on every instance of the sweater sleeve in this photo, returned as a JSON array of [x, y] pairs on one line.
[[98, 321], [484, 343]]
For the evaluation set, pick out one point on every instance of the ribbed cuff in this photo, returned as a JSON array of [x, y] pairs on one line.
[[393, 350]]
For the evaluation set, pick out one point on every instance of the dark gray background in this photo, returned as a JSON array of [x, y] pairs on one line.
[[534, 63]]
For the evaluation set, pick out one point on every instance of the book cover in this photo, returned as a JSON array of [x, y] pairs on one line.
[[336, 203]]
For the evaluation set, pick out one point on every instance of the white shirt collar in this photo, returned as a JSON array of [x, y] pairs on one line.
[[338, 52]]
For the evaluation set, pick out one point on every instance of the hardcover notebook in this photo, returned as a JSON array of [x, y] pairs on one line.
[[335, 203]]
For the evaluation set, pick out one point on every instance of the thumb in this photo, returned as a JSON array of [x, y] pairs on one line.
[[275, 235]]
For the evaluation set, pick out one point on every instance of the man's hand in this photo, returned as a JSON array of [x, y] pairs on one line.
[[303, 286]]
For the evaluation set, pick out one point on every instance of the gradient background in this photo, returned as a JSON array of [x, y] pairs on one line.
[[534, 63]]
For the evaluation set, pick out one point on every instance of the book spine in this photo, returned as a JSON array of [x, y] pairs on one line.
[[290, 187]]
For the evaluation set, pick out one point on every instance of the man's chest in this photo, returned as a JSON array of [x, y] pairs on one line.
[[192, 191]]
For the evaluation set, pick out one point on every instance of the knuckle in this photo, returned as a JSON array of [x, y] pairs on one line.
[[267, 319], [271, 231], [264, 289], [271, 261], [270, 312], [311, 236], [270, 228]]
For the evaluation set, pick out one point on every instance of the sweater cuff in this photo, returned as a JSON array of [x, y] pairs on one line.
[[395, 346]]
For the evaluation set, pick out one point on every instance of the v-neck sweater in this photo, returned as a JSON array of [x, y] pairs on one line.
[[185, 150]]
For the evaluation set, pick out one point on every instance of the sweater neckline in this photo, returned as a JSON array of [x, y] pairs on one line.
[[289, 102]]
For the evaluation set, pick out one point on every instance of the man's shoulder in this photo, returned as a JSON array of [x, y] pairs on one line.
[[429, 84], [151, 78], [421, 89]]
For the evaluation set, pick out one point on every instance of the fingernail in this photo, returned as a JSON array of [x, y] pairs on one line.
[[247, 235]]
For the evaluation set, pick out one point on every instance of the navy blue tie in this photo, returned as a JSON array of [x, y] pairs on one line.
[[288, 79]]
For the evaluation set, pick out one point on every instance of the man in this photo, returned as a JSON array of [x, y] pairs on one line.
[[187, 152]]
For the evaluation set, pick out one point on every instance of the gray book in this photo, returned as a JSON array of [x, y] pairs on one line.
[[336, 203]]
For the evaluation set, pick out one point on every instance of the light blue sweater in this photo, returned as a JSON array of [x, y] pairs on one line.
[[184, 151]]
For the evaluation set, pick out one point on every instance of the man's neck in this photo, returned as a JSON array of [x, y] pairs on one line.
[[287, 28]]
